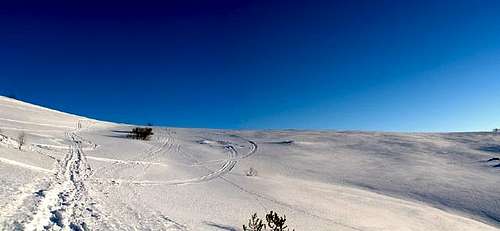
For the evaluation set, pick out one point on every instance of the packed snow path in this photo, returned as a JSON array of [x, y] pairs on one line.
[[65, 204]]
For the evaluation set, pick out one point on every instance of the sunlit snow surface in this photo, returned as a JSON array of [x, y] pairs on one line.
[[77, 173]]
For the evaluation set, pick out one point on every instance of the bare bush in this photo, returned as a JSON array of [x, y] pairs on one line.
[[251, 172], [21, 140]]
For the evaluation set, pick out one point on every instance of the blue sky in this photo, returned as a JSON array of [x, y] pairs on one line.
[[357, 65]]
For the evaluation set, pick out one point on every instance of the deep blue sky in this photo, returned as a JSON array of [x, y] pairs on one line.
[[368, 65]]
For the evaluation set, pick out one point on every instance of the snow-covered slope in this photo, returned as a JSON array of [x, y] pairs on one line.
[[75, 173]]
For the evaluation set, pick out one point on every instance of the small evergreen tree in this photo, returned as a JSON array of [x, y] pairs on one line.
[[254, 224], [274, 223]]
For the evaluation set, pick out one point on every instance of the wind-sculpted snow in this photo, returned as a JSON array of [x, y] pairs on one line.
[[75, 173]]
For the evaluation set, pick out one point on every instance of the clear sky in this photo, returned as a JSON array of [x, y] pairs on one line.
[[358, 65]]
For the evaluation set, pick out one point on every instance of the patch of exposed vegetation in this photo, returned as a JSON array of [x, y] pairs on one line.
[[274, 223]]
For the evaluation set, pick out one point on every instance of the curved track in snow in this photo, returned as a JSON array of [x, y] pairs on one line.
[[226, 167]]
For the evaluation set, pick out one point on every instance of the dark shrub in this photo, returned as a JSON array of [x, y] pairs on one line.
[[274, 223], [141, 133], [254, 224]]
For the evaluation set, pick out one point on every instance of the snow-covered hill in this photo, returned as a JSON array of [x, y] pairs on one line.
[[75, 173]]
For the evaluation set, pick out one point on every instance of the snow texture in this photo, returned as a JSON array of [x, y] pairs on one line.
[[75, 173]]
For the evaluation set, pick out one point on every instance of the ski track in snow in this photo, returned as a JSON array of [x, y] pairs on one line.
[[140, 159], [147, 218], [228, 165], [65, 204], [129, 162]]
